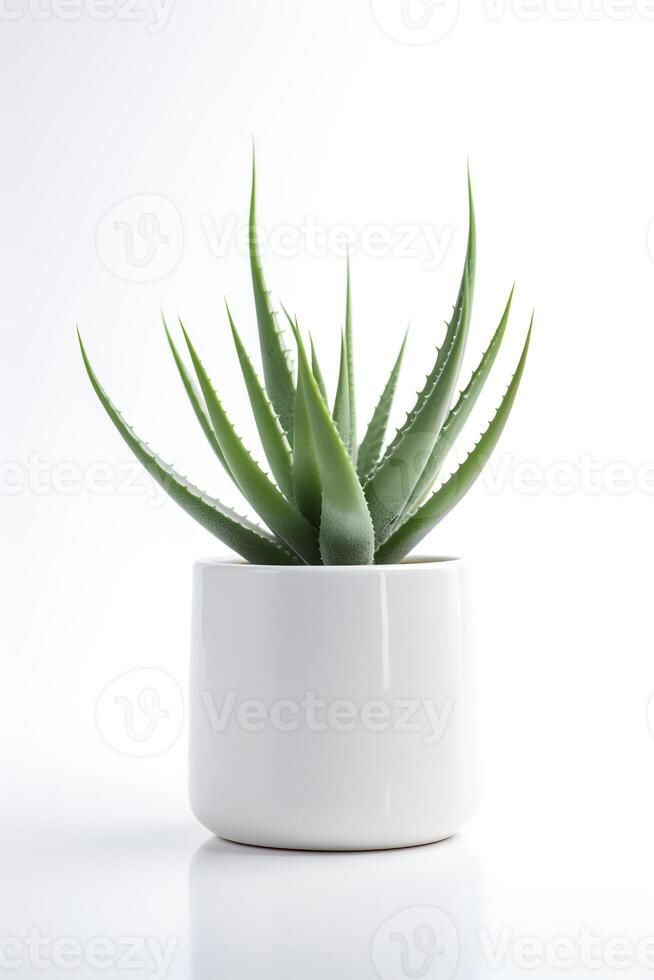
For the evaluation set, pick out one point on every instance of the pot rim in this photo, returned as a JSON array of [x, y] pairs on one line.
[[420, 563]]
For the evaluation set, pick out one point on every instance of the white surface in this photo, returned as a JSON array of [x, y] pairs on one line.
[[147, 873], [351, 127]]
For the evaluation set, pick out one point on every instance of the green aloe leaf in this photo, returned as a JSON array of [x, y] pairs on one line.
[[195, 398], [315, 365], [341, 412], [307, 484], [281, 516], [459, 414], [317, 373], [467, 284], [346, 532], [237, 533], [352, 443], [394, 480], [277, 371], [371, 446], [416, 527], [272, 437]]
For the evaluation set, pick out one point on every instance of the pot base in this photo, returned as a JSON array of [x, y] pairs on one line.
[[337, 848]]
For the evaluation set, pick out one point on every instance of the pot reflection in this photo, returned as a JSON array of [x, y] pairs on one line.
[[259, 913]]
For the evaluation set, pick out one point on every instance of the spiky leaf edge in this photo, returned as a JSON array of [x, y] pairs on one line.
[[459, 414], [387, 497], [373, 440], [271, 434], [341, 412], [270, 504], [236, 532], [467, 282], [415, 528], [277, 371], [194, 397]]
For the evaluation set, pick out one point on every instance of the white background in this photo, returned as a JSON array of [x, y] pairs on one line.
[[364, 117]]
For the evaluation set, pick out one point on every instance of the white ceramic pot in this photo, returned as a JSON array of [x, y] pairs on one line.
[[331, 706]]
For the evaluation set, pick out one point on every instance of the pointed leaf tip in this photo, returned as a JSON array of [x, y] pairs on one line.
[[419, 524], [245, 538], [273, 441], [273, 508], [277, 372]]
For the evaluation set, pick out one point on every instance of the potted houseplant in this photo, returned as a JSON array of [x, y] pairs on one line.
[[330, 702]]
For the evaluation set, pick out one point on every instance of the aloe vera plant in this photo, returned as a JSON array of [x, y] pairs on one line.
[[331, 499]]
